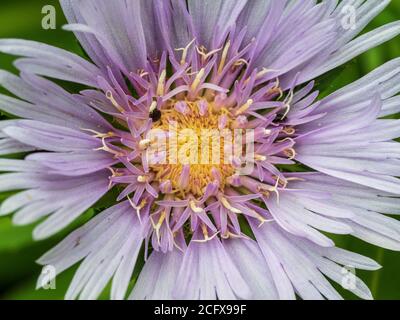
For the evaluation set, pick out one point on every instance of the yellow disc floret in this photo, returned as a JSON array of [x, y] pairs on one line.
[[198, 135]]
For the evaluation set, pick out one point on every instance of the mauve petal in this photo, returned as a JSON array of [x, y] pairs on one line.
[[303, 273], [11, 146], [74, 164], [89, 42], [50, 61], [158, 276], [361, 208], [282, 282], [332, 268], [49, 102], [117, 25], [114, 230], [51, 137], [175, 25], [75, 202], [207, 272], [213, 18], [251, 264], [257, 49], [13, 165]]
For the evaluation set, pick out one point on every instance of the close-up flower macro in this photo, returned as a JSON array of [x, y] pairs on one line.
[[200, 150]]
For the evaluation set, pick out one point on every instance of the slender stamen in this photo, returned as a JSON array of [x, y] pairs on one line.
[[224, 56], [144, 144], [205, 234], [244, 107], [259, 157], [110, 97], [161, 83], [138, 208], [289, 131], [185, 51], [290, 153], [277, 89], [142, 179], [240, 62], [99, 134], [142, 73], [228, 206], [113, 175], [263, 72], [202, 51], [195, 208], [153, 106], [287, 103], [263, 221], [157, 226], [106, 148], [197, 80]]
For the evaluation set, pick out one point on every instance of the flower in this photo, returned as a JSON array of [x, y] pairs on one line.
[[242, 227]]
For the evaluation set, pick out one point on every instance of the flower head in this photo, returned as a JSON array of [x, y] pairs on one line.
[[193, 113]]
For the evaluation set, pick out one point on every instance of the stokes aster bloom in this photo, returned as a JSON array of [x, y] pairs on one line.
[[209, 229]]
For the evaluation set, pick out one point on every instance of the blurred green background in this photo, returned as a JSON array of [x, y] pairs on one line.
[[18, 271]]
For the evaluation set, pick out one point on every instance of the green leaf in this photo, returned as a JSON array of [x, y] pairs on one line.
[[13, 238]]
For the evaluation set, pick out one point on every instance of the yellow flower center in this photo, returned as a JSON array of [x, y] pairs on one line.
[[197, 141]]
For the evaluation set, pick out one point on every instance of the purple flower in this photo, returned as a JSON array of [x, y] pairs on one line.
[[209, 230]]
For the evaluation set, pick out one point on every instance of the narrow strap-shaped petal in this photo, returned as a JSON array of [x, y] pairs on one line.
[[51, 61]]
